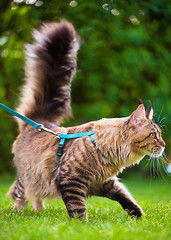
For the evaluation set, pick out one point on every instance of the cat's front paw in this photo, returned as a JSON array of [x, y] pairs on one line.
[[135, 211]]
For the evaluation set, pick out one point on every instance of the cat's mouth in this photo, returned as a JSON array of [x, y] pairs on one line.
[[155, 153]]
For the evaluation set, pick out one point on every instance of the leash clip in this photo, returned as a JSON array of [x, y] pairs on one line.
[[43, 128]]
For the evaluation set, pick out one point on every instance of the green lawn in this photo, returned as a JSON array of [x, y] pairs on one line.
[[106, 220]]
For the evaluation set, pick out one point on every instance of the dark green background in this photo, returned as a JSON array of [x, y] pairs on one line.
[[125, 54]]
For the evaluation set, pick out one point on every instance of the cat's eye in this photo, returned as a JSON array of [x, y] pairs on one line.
[[153, 134]]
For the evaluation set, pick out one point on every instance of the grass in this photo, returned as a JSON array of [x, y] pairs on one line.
[[106, 220]]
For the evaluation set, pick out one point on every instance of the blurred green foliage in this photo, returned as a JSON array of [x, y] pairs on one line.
[[124, 56]]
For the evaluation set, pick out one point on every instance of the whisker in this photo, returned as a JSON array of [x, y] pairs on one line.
[[163, 163], [163, 126], [165, 158], [154, 167], [151, 167], [163, 166], [160, 162], [160, 112], [148, 161], [162, 120], [158, 166]]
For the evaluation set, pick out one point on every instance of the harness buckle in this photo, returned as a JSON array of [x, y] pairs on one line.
[[60, 150]]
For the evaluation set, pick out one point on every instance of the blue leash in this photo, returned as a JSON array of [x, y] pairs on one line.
[[41, 127], [25, 119]]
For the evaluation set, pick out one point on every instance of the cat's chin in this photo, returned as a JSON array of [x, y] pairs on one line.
[[157, 154]]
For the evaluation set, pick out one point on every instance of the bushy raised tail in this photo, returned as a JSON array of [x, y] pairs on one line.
[[50, 67]]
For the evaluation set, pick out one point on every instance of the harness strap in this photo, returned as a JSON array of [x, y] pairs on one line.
[[63, 137]]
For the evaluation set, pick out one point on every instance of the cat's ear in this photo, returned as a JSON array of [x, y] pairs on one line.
[[138, 115], [149, 112], [140, 101]]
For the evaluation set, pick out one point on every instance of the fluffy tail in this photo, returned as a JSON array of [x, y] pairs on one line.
[[50, 67]]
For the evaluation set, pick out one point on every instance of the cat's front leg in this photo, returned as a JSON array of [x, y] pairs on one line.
[[114, 190], [73, 191]]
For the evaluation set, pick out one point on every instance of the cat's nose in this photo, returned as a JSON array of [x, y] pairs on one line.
[[162, 143]]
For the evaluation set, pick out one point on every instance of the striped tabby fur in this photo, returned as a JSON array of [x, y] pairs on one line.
[[86, 169]]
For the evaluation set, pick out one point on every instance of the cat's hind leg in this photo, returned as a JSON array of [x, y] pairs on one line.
[[114, 190], [17, 193]]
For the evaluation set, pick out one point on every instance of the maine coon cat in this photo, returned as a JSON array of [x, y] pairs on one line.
[[85, 168]]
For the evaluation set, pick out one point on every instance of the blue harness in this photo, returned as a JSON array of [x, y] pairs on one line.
[[41, 127], [63, 137]]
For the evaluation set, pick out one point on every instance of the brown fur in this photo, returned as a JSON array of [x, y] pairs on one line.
[[85, 169], [49, 69]]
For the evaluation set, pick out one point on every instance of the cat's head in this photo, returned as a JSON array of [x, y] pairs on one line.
[[146, 136]]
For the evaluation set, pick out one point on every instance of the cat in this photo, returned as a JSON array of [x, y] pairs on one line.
[[86, 168]]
